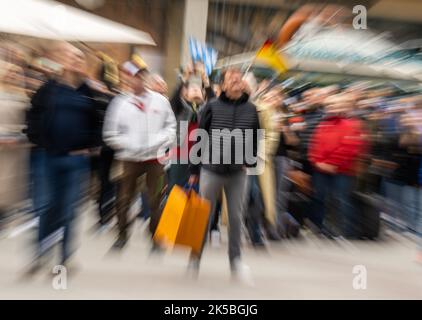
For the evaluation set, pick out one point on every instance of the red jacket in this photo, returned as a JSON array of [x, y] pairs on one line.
[[337, 141]]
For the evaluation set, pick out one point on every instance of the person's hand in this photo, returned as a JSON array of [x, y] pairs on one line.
[[193, 179], [200, 68], [8, 143], [205, 80], [327, 168], [187, 72]]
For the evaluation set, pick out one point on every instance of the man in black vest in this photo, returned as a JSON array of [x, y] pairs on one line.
[[231, 123]]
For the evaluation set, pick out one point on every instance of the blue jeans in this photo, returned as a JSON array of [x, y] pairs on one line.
[[339, 188], [66, 178], [145, 212], [403, 203], [254, 209], [38, 184]]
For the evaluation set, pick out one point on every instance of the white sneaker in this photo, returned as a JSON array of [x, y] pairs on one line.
[[242, 273], [215, 239]]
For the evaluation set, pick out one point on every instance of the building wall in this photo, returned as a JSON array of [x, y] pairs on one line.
[[146, 15]]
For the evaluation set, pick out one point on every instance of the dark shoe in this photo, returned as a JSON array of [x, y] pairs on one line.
[[325, 233], [156, 250], [119, 244], [71, 268], [282, 231], [272, 233], [36, 266], [259, 245], [33, 269]]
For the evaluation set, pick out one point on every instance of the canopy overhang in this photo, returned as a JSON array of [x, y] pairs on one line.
[[55, 21]]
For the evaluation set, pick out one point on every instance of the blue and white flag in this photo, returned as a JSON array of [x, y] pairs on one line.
[[200, 51]]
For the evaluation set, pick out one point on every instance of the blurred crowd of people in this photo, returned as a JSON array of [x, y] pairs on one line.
[[334, 157]]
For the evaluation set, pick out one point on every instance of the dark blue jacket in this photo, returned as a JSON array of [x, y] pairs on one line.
[[63, 119]]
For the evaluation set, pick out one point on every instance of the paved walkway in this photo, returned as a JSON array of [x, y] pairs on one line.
[[306, 269]]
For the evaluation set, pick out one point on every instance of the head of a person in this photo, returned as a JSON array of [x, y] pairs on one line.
[[156, 83], [315, 97], [274, 97], [139, 80], [13, 76], [194, 93], [34, 78], [70, 58], [125, 79], [232, 83], [339, 105], [136, 78]]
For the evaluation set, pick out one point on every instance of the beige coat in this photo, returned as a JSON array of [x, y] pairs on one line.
[[267, 151]]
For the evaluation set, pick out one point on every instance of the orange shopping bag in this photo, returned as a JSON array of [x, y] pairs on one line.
[[184, 220], [194, 224]]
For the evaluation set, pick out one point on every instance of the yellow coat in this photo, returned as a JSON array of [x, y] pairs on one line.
[[267, 151]]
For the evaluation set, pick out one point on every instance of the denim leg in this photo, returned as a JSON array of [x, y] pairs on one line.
[[38, 181], [321, 183], [410, 206], [49, 215], [254, 208], [66, 176], [419, 220], [394, 199], [74, 175]]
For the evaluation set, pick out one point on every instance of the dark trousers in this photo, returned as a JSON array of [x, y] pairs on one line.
[[234, 185], [107, 187], [337, 188], [127, 192], [66, 176], [254, 210], [38, 181], [216, 216], [145, 211], [178, 174]]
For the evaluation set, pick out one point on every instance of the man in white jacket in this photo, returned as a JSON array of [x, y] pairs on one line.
[[140, 127]]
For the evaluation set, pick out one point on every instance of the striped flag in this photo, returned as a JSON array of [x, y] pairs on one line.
[[200, 51]]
